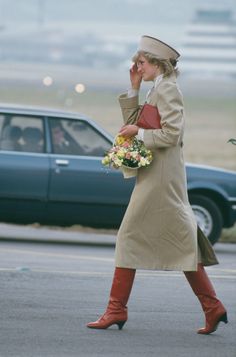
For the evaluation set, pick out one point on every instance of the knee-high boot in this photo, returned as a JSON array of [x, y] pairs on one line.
[[116, 311], [212, 307]]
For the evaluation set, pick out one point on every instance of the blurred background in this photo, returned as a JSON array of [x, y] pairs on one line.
[[75, 55]]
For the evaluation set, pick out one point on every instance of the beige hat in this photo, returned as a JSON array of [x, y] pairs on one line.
[[157, 48]]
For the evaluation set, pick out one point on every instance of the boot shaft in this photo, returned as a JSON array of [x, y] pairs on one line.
[[213, 309], [122, 285], [200, 282], [116, 311]]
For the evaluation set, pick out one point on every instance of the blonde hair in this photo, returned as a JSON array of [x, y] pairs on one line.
[[168, 66]]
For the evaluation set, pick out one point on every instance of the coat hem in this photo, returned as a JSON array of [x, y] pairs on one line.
[[169, 268]]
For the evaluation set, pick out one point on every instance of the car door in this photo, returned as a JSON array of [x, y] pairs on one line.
[[24, 165], [81, 189]]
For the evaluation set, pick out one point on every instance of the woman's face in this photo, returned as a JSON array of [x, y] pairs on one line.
[[148, 71]]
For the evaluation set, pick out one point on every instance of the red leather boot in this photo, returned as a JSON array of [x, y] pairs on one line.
[[212, 307], [116, 312]]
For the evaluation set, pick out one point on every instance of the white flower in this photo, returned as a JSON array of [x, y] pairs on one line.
[[143, 161]]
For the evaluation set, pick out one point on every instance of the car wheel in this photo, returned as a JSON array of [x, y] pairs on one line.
[[208, 216]]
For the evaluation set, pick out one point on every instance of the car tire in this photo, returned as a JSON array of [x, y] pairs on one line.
[[208, 216]]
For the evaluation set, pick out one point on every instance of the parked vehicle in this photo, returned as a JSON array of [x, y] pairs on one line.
[[51, 173]]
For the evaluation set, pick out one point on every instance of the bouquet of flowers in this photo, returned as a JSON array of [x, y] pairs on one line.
[[127, 153]]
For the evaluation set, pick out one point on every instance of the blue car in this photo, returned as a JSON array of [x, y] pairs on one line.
[[51, 173]]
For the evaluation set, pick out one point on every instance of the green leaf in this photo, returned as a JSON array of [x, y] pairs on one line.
[[232, 141]]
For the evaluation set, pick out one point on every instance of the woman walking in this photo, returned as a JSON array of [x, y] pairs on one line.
[[159, 230]]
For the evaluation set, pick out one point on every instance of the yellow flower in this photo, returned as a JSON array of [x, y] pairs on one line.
[[120, 140], [121, 153], [106, 160]]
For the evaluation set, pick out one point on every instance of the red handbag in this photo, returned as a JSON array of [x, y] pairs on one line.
[[149, 117]]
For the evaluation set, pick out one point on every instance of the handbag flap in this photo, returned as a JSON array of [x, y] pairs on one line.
[[149, 117]]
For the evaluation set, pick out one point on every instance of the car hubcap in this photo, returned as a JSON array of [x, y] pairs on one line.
[[204, 219]]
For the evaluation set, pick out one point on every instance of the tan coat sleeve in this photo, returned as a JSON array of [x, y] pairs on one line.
[[129, 108], [170, 106]]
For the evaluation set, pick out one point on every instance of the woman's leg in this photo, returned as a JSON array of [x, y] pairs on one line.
[[212, 307], [116, 312]]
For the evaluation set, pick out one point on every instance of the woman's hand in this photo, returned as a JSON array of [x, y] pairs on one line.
[[129, 130], [135, 77]]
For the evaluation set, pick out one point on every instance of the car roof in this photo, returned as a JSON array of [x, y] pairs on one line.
[[52, 112], [213, 169], [37, 110]]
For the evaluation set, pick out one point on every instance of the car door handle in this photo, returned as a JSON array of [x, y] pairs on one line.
[[61, 162]]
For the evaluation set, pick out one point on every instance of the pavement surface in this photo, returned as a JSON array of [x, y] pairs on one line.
[[49, 292], [55, 235], [54, 280]]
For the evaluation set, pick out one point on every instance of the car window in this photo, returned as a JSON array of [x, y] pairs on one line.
[[21, 133], [77, 137]]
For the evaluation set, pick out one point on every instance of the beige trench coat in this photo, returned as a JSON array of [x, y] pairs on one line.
[[159, 230]]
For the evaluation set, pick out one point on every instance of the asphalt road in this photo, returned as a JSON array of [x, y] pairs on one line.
[[50, 291]]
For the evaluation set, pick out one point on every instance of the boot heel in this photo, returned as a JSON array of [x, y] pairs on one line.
[[224, 318], [120, 324]]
